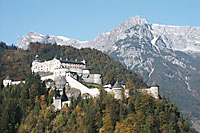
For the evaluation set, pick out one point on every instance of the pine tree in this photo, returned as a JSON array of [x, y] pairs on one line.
[[131, 107]]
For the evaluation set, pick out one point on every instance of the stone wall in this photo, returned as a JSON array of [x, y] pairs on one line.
[[92, 78], [153, 91]]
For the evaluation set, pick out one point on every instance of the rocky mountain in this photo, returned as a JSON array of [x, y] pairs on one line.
[[48, 39], [168, 55]]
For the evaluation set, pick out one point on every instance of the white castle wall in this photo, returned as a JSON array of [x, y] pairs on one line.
[[93, 91], [7, 82], [60, 72], [10, 82], [78, 68], [153, 91], [97, 78], [92, 78], [57, 103], [75, 84], [17, 82], [86, 71], [48, 77], [46, 66], [66, 102], [118, 93], [51, 65]]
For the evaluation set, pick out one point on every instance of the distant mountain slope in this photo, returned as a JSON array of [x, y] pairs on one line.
[[35, 37], [168, 55]]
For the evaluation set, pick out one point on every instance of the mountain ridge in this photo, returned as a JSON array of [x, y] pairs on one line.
[[117, 34]]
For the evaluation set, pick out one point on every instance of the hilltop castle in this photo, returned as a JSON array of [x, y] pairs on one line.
[[68, 77], [58, 67]]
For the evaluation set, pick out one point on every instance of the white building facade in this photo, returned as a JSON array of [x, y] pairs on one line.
[[56, 67], [51, 65]]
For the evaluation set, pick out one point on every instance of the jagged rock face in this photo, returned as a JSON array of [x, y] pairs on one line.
[[168, 55], [183, 38]]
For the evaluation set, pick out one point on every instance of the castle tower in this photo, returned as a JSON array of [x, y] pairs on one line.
[[117, 89], [7, 81], [155, 90], [84, 62], [35, 62], [36, 58], [57, 100], [64, 97]]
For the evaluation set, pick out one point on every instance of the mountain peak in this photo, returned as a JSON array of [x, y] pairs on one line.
[[132, 21], [137, 20], [32, 33]]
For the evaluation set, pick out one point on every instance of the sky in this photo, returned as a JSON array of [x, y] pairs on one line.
[[85, 19]]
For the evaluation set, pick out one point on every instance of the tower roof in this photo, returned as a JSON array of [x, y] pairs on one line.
[[71, 62], [64, 97], [117, 85], [154, 84], [36, 58], [56, 57], [57, 94], [7, 78]]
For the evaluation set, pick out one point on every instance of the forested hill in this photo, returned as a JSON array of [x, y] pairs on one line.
[[17, 63], [28, 107]]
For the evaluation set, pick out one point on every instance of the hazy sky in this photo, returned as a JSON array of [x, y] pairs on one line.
[[85, 19]]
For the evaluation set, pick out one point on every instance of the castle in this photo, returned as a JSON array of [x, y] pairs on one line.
[[58, 67], [153, 90], [68, 77]]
